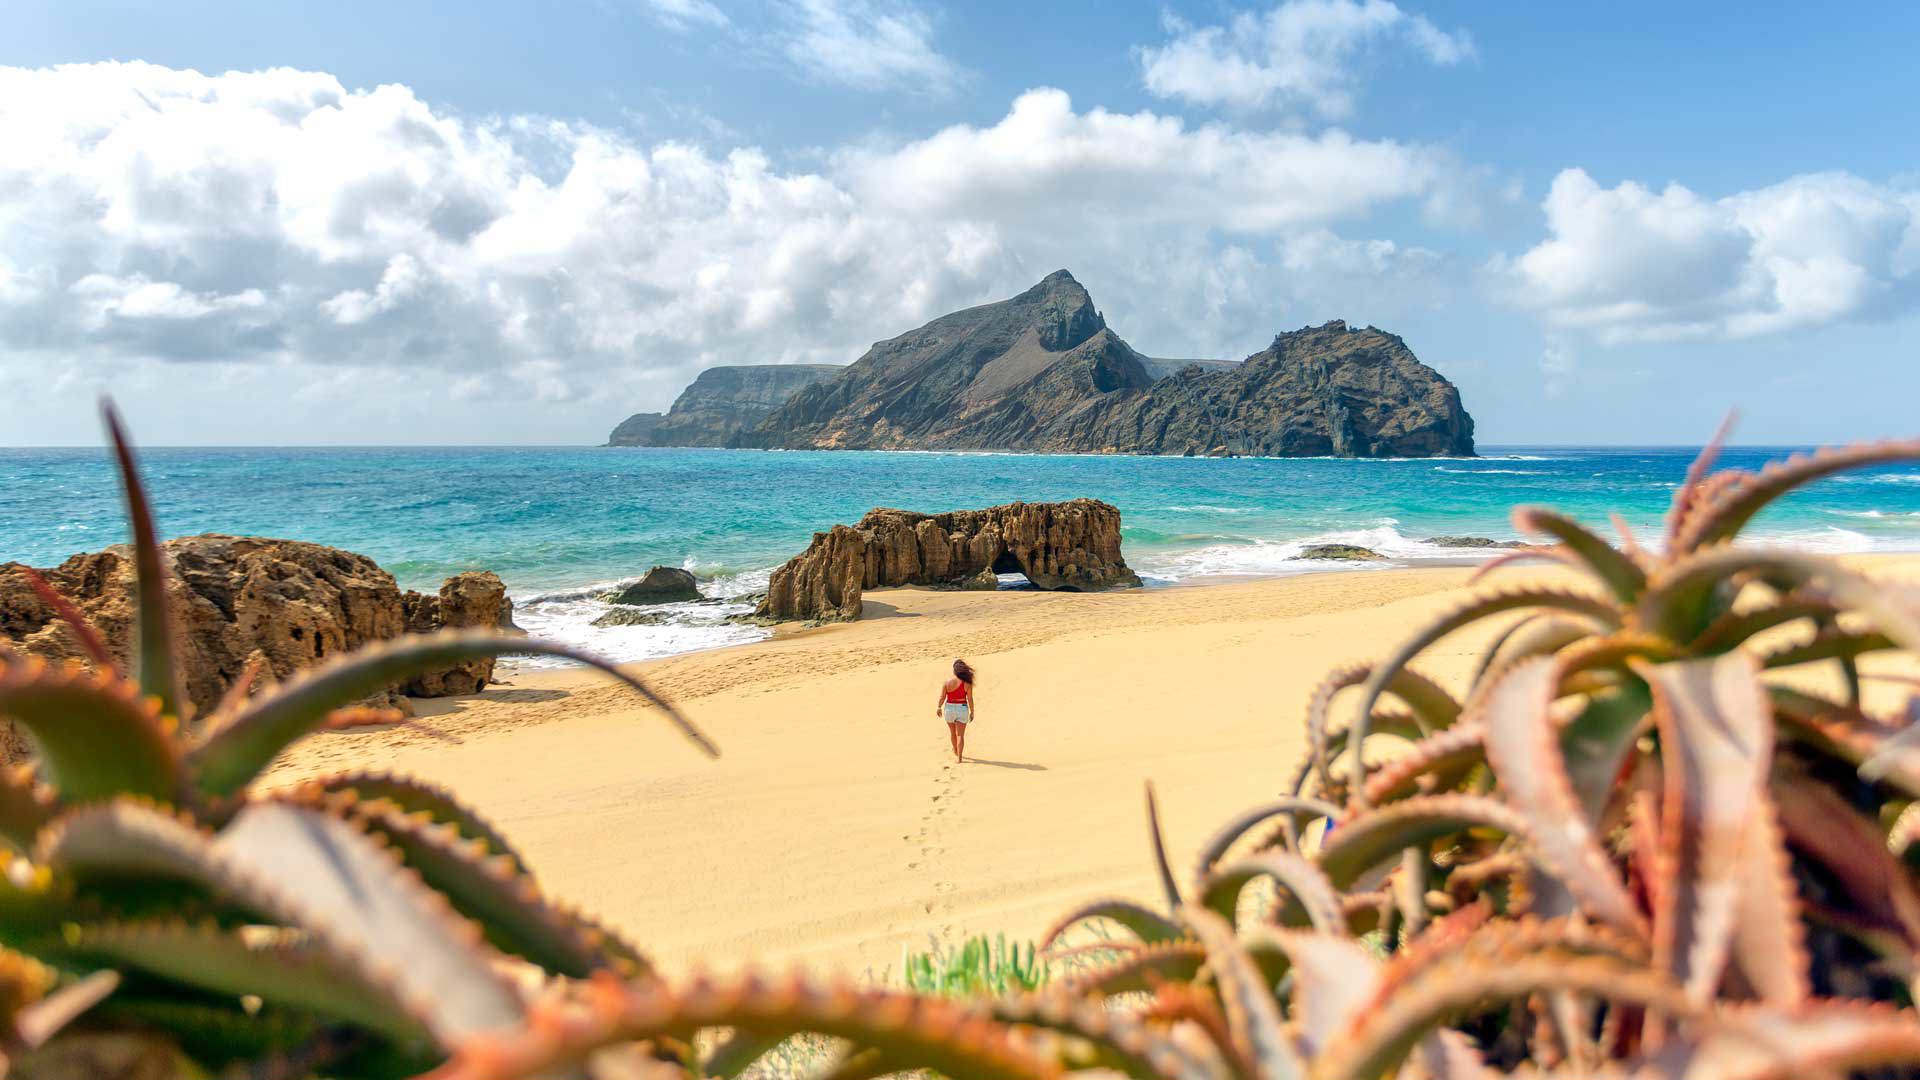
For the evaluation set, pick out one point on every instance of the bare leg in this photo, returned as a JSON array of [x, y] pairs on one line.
[[957, 734]]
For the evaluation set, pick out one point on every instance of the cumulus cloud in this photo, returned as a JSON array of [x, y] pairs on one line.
[[867, 45], [1296, 55], [1628, 263], [278, 218]]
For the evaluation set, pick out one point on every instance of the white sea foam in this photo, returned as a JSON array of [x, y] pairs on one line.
[[1491, 472], [1264, 557], [568, 615], [1203, 508]]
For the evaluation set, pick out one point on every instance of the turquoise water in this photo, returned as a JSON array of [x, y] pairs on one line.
[[557, 523]]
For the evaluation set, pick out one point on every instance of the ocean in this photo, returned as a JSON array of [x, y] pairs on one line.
[[560, 525]]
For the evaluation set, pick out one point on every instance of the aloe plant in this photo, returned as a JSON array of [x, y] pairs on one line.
[[1628, 846], [361, 922]]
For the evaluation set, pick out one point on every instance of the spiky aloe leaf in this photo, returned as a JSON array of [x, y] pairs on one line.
[[1595, 744], [1730, 511], [1817, 1039], [1524, 749], [1101, 1039], [289, 971], [1621, 575], [1716, 742], [493, 891], [1465, 615], [1224, 838], [1146, 924], [1160, 863], [1432, 706], [915, 1032], [1502, 962], [25, 806], [1138, 970], [1306, 895], [1398, 725], [71, 714], [1444, 755], [1686, 496], [1333, 976], [1370, 838], [1678, 601], [304, 869], [1737, 627], [415, 797], [1823, 827], [156, 666], [232, 755], [1835, 645], [736, 1054], [1253, 1017], [215, 1035]]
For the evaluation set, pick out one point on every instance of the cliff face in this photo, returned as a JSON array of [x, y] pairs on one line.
[[1043, 371], [289, 603], [718, 404], [996, 376], [1323, 390], [1072, 546]]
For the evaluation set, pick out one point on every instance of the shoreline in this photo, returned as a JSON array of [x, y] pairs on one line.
[[834, 831]]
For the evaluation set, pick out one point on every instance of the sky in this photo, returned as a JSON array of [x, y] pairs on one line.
[[280, 224]]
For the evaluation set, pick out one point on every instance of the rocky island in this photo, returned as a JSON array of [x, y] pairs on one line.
[[1068, 546], [1043, 372], [719, 404]]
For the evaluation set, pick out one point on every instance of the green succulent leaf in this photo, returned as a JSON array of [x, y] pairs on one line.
[[1253, 1016], [1371, 837], [1726, 515], [1307, 898], [1621, 575], [1146, 924], [231, 756], [156, 666], [73, 715], [279, 968], [415, 797]]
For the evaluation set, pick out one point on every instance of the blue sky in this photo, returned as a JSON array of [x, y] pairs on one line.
[[517, 223]]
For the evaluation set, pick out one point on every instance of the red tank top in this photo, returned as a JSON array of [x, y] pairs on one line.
[[958, 695]]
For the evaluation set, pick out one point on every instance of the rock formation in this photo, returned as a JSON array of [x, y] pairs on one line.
[[1068, 545], [1043, 371], [661, 585], [1341, 553], [291, 603], [719, 404]]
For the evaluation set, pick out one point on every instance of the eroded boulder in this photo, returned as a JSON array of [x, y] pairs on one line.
[[291, 603], [1065, 546], [660, 585]]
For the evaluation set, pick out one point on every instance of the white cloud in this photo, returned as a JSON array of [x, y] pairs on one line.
[[686, 14], [279, 220], [867, 45], [1296, 55], [1631, 264]]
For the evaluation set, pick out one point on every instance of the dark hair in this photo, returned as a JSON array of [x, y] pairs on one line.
[[963, 672]]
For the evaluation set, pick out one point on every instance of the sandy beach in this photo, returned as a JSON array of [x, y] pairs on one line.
[[835, 830]]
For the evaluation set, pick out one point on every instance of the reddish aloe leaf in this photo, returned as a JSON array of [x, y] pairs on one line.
[[1253, 1017], [1684, 496], [1306, 894], [1146, 924], [1334, 977], [1139, 969], [1769, 936], [1816, 1039], [156, 667], [1716, 742], [1371, 837], [1160, 862], [1737, 505], [1621, 575], [1431, 705], [1445, 753], [1223, 838], [1465, 615], [1103, 1039], [1524, 749], [1822, 826], [70, 714]]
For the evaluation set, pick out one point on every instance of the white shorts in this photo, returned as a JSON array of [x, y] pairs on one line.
[[956, 712]]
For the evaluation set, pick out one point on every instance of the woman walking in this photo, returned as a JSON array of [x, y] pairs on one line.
[[956, 706]]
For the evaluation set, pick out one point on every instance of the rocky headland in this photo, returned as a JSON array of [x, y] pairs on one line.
[[1072, 546], [288, 603], [1043, 371], [719, 404]]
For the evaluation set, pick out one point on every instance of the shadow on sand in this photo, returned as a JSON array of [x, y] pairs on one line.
[[1026, 766]]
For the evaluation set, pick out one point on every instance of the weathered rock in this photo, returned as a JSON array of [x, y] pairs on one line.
[[473, 598], [636, 430], [1474, 542], [632, 616], [292, 603], [660, 585], [1069, 545], [719, 404], [1341, 552], [1043, 371]]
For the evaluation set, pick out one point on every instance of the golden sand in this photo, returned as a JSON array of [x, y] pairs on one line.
[[835, 828]]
